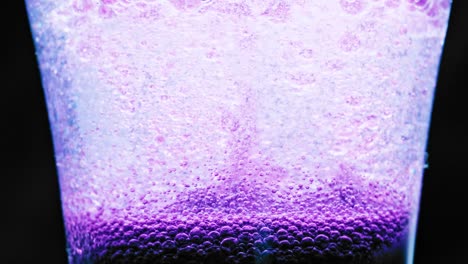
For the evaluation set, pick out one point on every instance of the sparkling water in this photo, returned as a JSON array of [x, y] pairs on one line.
[[239, 131]]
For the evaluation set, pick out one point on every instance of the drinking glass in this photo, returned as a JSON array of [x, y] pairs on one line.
[[235, 131]]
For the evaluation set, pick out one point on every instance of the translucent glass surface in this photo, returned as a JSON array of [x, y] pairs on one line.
[[239, 131]]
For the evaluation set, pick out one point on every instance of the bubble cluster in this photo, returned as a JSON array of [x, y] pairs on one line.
[[267, 239], [207, 226]]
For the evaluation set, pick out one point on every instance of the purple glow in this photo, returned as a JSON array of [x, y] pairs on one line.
[[239, 131]]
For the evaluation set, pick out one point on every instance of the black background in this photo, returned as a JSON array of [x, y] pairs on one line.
[[33, 231]]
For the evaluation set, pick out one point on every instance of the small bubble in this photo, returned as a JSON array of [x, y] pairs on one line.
[[181, 238], [225, 230], [349, 42], [392, 3], [281, 232], [213, 234], [352, 7], [207, 244], [169, 245], [321, 238], [248, 228], [284, 244], [229, 242], [105, 11], [307, 241], [171, 230], [82, 5], [345, 241], [307, 53], [244, 237], [270, 241], [264, 231]]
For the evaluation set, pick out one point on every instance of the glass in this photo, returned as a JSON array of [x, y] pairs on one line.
[[239, 131]]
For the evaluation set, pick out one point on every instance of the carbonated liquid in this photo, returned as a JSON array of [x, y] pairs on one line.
[[235, 131]]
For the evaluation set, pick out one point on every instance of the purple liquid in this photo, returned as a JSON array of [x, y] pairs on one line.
[[267, 240], [212, 235]]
